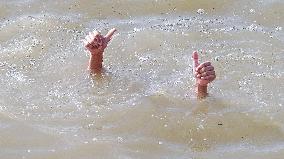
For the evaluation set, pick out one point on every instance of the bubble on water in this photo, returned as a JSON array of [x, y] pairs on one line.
[[3, 108], [217, 58], [278, 28], [252, 27], [137, 29], [17, 76], [2, 64], [52, 150], [201, 126], [200, 11], [120, 139], [143, 59], [252, 11], [160, 142]]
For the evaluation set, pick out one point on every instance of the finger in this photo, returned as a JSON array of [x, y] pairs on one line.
[[96, 33], [90, 47], [100, 39], [110, 34], [207, 68], [89, 39], [85, 42], [95, 41], [209, 78], [205, 64], [92, 35], [198, 76], [208, 73], [101, 47], [195, 59], [196, 73]]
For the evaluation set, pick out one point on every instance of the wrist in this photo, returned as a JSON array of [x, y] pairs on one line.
[[201, 87], [96, 58], [201, 90], [95, 62], [96, 53]]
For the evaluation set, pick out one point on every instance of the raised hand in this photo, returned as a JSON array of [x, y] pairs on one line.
[[96, 43], [204, 72]]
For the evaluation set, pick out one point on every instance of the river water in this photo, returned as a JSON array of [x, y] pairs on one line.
[[145, 105]]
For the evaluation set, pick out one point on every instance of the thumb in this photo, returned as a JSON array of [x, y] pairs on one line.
[[110, 34], [195, 62]]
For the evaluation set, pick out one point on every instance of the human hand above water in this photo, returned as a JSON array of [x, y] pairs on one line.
[[204, 72], [96, 43]]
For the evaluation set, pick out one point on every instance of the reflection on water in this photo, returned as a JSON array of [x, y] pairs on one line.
[[144, 105]]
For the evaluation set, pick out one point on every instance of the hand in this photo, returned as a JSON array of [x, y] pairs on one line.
[[96, 43], [204, 73]]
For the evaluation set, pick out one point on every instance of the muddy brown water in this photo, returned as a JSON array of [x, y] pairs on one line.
[[144, 106]]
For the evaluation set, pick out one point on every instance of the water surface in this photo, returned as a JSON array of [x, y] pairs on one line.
[[144, 106]]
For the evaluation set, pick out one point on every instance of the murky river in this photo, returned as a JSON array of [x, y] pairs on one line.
[[145, 105]]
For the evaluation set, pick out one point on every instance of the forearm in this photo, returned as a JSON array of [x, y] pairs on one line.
[[201, 91], [96, 63]]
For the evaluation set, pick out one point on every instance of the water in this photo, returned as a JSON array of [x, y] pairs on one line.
[[144, 106]]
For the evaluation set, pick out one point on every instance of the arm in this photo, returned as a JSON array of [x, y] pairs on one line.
[[96, 62], [201, 91], [204, 74], [96, 44]]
